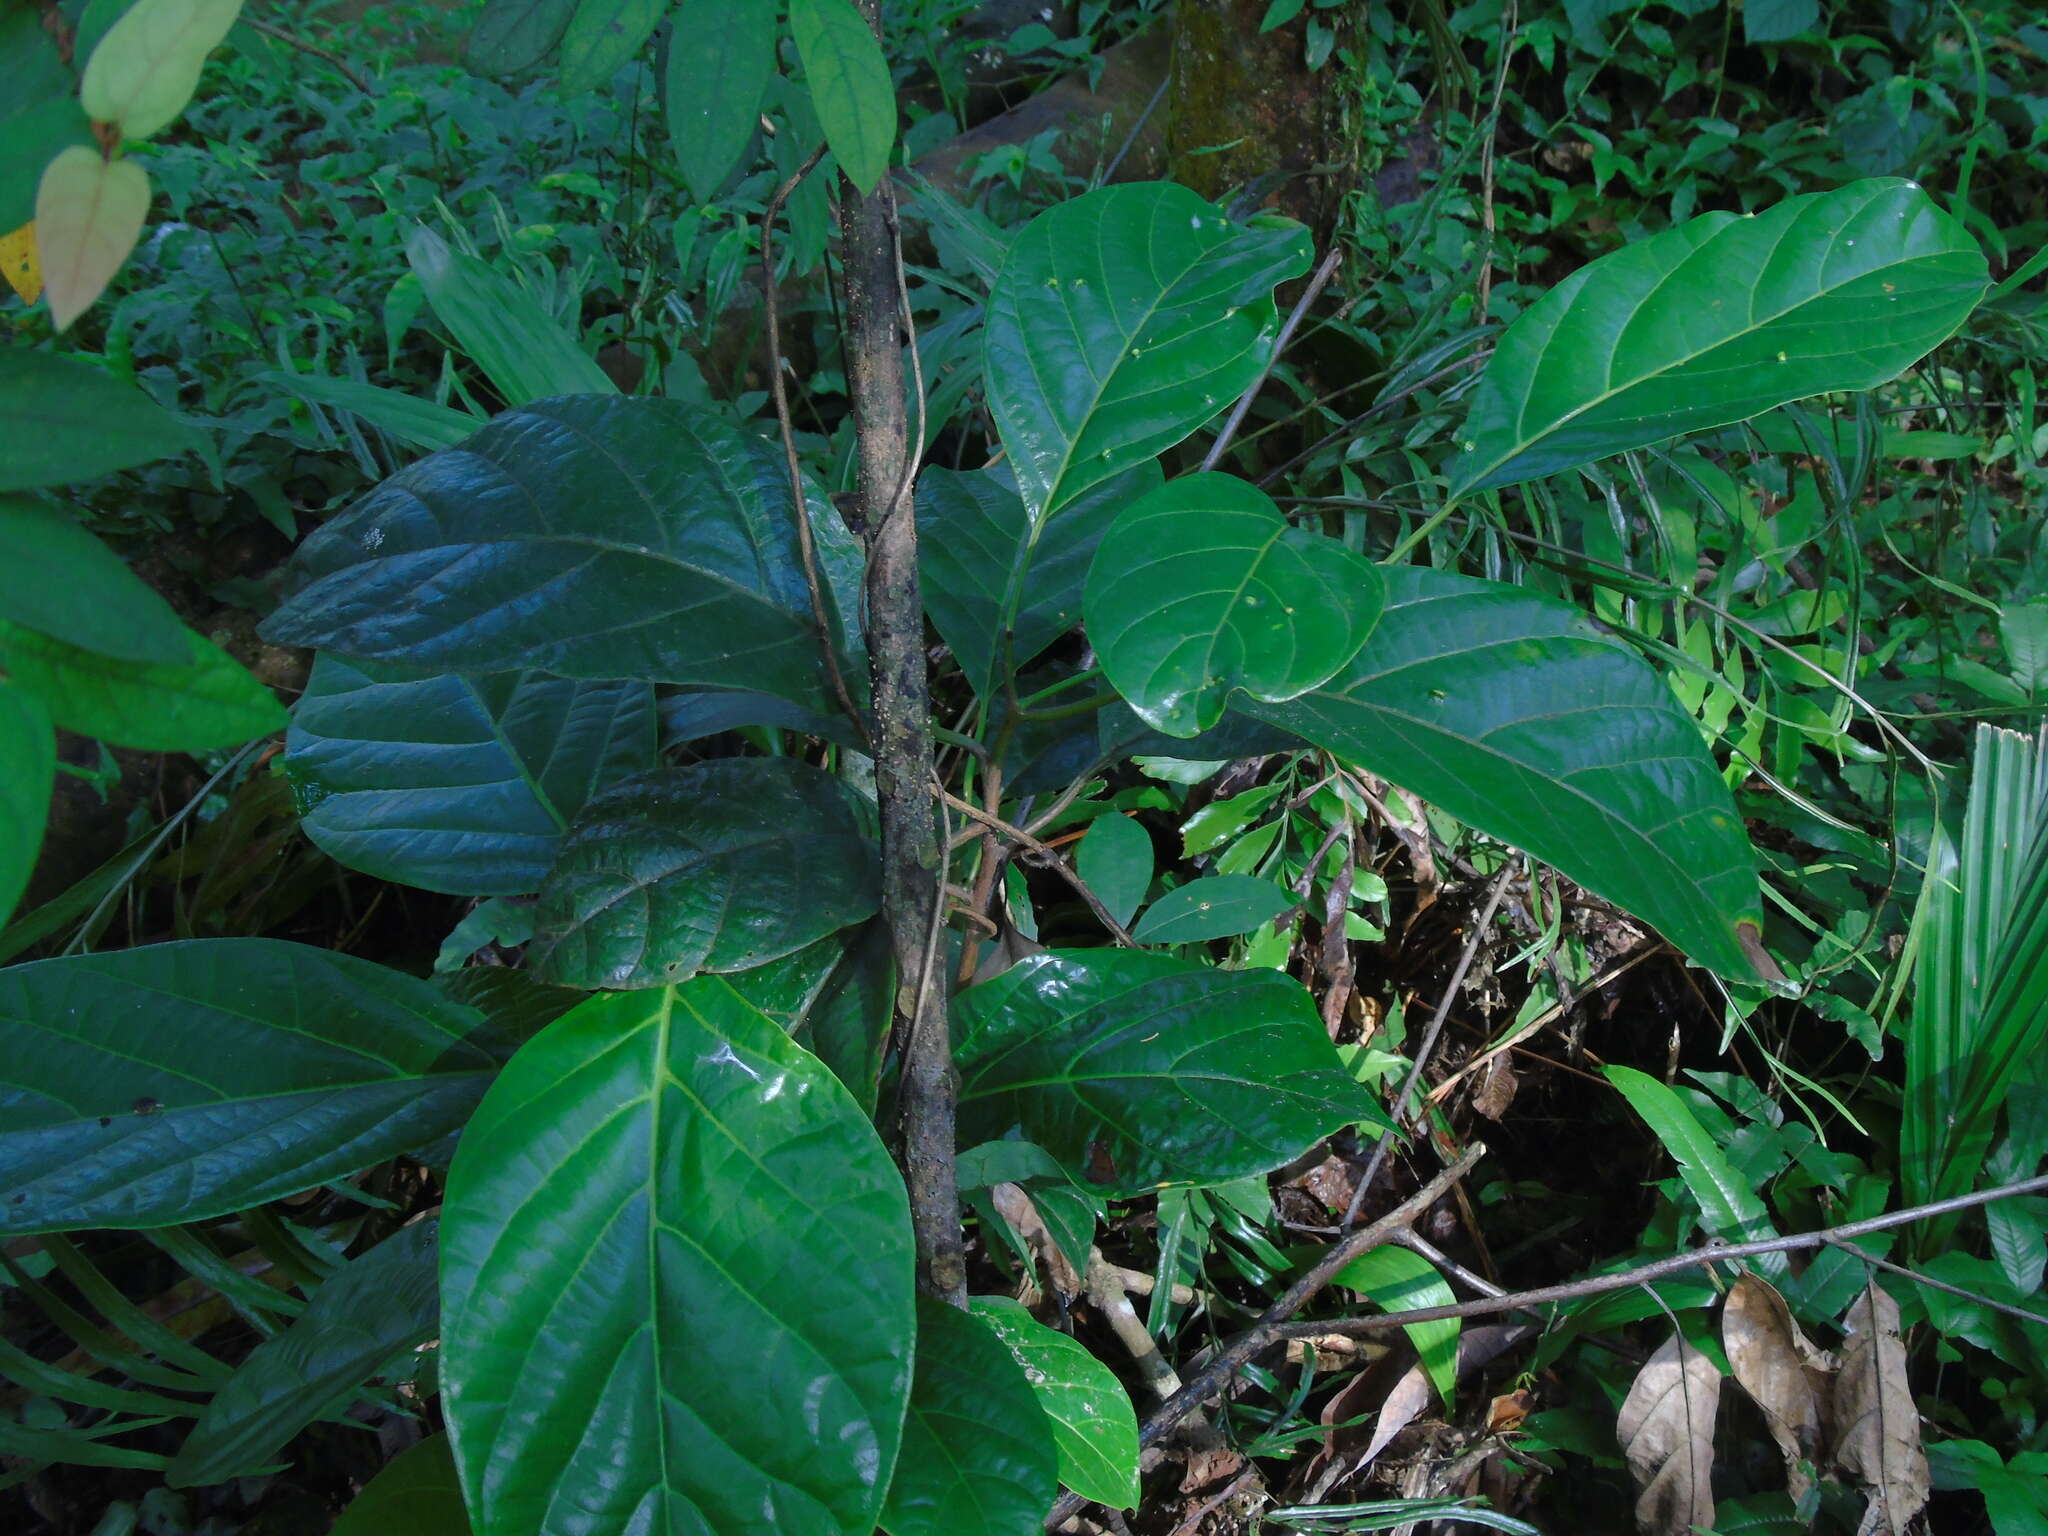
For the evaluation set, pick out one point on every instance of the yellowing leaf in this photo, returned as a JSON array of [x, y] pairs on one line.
[[19, 263], [89, 214], [147, 66]]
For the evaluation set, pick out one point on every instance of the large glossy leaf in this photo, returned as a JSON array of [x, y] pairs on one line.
[[1201, 587], [417, 1494], [28, 771], [68, 421], [720, 57], [850, 86], [676, 1283], [589, 537], [603, 36], [981, 556], [514, 35], [720, 866], [523, 350], [1138, 1069], [459, 784], [208, 701], [57, 578], [182, 1081], [1123, 320], [1719, 319], [145, 69], [978, 1453], [1093, 1424], [89, 214], [364, 1320], [1518, 716]]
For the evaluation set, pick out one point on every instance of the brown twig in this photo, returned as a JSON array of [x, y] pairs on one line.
[[1931, 1283], [279, 35], [1000, 828], [1309, 295]]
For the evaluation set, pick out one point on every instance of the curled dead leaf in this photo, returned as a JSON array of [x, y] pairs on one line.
[[1781, 1370], [1666, 1431], [1877, 1428]]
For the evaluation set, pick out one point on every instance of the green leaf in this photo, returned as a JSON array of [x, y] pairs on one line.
[[57, 578], [981, 557], [1115, 860], [1137, 1069], [675, 1282], [1123, 320], [146, 68], [1401, 1280], [89, 214], [523, 350], [850, 86], [1777, 21], [1717, 320], [847, 1023], [1729, 1208], [1093, 1424], [1201, 587], [720, 866], [416, 422], [182, 1081], [1518, 716], [514, 35], [720, 58], [602, 37], [457, 784], [28, 772], [1212, 907], [589, 537], [207, 702], [69, 421], [35, 135], [364, 1320], [417, 1494], [978, 1453]]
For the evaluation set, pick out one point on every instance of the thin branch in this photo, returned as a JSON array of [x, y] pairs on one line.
[[1066, 871], [1316, 285], [279, 35], [1931, 1283]]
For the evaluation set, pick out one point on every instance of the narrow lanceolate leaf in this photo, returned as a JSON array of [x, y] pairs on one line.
[[1666, 1429], [589, 537], [28, 771], [417, 1494], [850, 86], [515, 35], [1201, 587], [182, 1081], [982, 558], [413, 421], [603, 36], [1717, 320], [457, 784], [524, 351], [89, 214], [978, 1451], [363, 1321], [58, 579], [1729, 1208], [1137, 1069], [1123, 320], [720, 57], [208, 701], [1094, 1427], [69, 421], [1518, 716], [720, 866], [145, 69], [675, 1282], [1400, 1280]]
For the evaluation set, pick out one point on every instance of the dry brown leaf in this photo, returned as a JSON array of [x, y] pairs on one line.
[[1877, 1439], [1781, 1371], [1667, 1432], [1015, 1207], [1506, 1412], [1497, 1084]]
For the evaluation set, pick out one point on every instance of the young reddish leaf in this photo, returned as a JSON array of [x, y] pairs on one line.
[[89, 215], [145, 69]]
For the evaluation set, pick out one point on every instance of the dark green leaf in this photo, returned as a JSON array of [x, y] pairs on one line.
[[524, 351], [67, 421], [515, 35], [720, 866], [601, 37], [28, 771], [589, 537], [35, 135], [1115, 859], [417, 1494], [978, 1454], [411, 420], [1123, 320], [850, 86], [364, 1320], [981, 559], [210, 701], [1729, 1208], [720, 57], [1093, 1424], [182, 1081], [57, 578], [1719, 319], [1519, 717], [1201, 587], [1137, 1069], [1213, 907], [847, 1024], [1777, 21], [458, 784], [676, 1282]]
